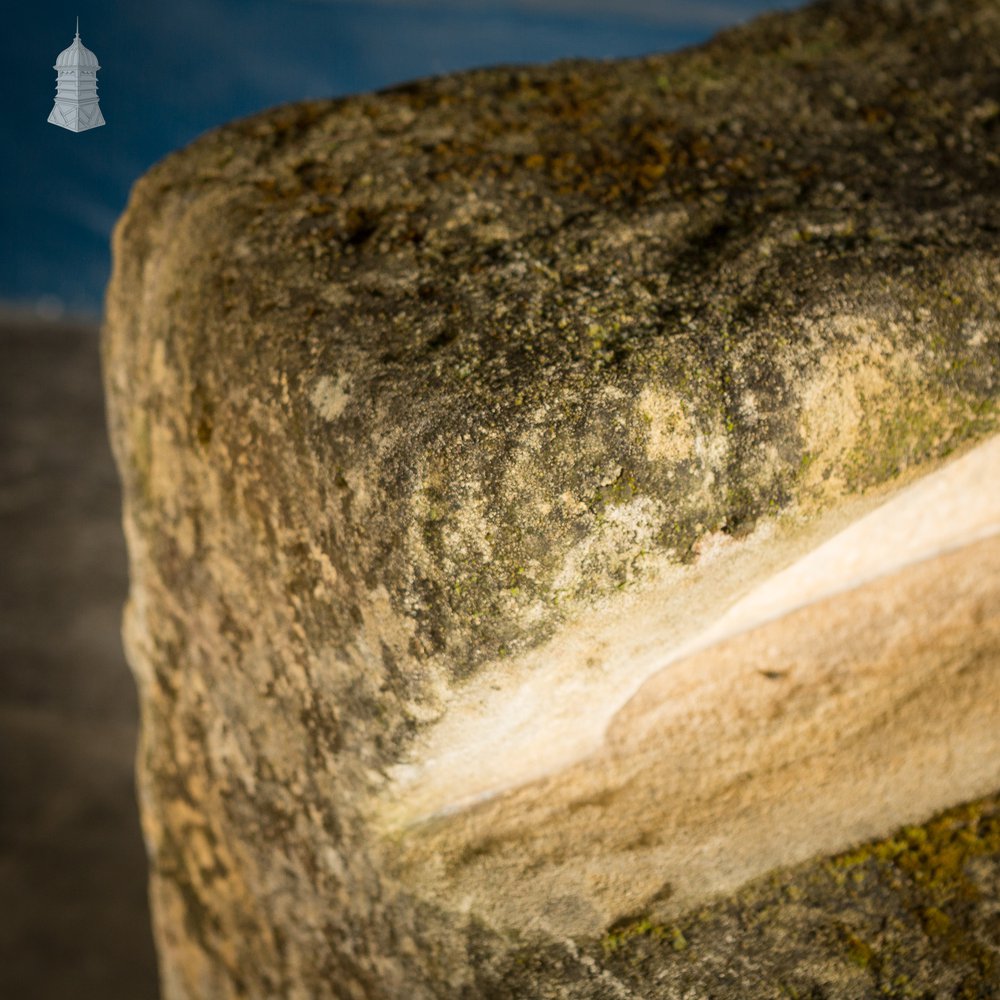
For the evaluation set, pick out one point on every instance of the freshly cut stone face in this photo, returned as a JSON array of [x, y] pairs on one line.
[[632, 765], [555, 496]]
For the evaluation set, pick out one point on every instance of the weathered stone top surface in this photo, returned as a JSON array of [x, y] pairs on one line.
[[537, 323]]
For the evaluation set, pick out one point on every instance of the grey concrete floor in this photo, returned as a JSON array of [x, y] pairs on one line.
[[74, 921]]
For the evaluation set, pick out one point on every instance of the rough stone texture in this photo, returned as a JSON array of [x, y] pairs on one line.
[[411, 390]]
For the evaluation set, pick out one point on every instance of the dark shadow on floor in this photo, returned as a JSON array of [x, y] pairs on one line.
[[74, 920]]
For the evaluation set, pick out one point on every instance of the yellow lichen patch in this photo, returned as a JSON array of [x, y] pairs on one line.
[[934, 855], [670, 435], [845, 386]]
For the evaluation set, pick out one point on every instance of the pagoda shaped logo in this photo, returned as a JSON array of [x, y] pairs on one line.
[[76, 106]]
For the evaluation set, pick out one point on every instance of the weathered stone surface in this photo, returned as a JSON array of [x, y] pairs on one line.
[[669, 772], [555, 497]]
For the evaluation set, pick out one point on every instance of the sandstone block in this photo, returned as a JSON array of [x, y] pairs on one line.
[[559, 496]]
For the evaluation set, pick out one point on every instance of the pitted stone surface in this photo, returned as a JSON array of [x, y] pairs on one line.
[[410, 389]]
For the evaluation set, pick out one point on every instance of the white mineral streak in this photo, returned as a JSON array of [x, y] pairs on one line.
[[331, 397]]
